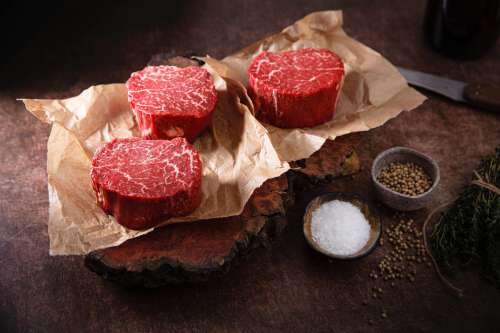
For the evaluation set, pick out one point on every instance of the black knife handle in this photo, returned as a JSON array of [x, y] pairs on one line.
[[485, 96]]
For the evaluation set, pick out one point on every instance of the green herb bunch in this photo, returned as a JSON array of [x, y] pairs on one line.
[[469, 231]]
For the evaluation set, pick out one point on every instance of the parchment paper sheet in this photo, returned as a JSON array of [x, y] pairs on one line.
[[238, 152], [373, 90]]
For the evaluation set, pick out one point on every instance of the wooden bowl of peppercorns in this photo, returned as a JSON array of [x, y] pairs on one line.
[[404, 178]]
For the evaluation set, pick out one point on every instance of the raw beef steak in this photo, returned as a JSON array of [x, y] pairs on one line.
[[143, 182], [170, 101], [295, 88]]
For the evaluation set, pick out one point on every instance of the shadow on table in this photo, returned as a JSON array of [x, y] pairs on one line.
[[56, 42]]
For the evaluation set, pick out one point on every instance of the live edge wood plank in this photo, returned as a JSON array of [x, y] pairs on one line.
[[198, 251]]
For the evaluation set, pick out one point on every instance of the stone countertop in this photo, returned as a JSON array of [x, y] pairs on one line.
[[287, 287]]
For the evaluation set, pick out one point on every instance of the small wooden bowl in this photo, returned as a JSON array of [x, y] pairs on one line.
[[369, 211], [396, 200]]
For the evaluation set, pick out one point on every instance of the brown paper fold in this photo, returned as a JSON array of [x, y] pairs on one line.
[[374, 91], [238, 152]]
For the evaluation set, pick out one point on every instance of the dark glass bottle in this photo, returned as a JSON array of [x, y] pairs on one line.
[[462, 28]]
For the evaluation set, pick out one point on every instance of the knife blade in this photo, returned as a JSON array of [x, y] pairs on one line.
[[485, 96]]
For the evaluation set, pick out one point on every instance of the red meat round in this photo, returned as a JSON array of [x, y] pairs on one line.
[[143, 182], [295, 88], [170, 101]]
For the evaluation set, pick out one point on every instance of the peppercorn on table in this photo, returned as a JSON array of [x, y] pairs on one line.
[[287, 286]]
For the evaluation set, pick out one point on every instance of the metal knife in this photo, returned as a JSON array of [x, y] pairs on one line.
[[484, 96]]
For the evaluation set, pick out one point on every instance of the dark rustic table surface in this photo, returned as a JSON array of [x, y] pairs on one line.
[[287, 287]]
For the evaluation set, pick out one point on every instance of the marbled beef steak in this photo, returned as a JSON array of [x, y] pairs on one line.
[[170, 101], [143, 182], [295, 88]]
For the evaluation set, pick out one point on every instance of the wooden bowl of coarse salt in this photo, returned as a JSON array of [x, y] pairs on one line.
[[341, 225]]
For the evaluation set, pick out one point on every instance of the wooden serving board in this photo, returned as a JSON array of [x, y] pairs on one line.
[[198, 251]]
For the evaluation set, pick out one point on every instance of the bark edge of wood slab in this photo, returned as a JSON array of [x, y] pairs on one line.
[[335, 159], [199, 251]]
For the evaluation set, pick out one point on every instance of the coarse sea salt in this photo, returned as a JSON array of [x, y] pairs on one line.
[[339, 227]]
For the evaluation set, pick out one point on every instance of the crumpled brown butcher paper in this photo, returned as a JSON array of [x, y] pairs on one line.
[[373, 92]]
